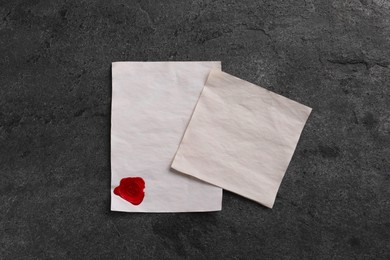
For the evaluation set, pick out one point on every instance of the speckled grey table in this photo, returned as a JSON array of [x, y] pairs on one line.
[[55, 95]]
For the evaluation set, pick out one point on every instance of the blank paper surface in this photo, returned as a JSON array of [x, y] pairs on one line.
[[241, 137], [152, 103]]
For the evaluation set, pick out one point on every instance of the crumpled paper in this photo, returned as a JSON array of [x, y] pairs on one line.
[[152, 103], [241, 137]]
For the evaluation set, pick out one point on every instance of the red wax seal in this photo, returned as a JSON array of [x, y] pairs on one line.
[[131, 189]]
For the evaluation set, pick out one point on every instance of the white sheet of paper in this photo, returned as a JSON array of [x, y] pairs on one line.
[[241, 137], [152, 103]]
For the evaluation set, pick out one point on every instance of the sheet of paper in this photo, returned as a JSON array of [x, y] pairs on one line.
[[241, 137], [152, 103]]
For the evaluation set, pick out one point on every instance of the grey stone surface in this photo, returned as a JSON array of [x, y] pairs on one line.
[[55, 95]]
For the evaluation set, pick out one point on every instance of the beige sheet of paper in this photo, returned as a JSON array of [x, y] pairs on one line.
[[152, 103], [241, 137]]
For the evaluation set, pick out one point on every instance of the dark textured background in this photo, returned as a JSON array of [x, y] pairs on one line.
[[55, 61]]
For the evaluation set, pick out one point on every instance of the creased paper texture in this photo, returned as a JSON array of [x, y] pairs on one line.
[[152, 103], [241, 137]]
